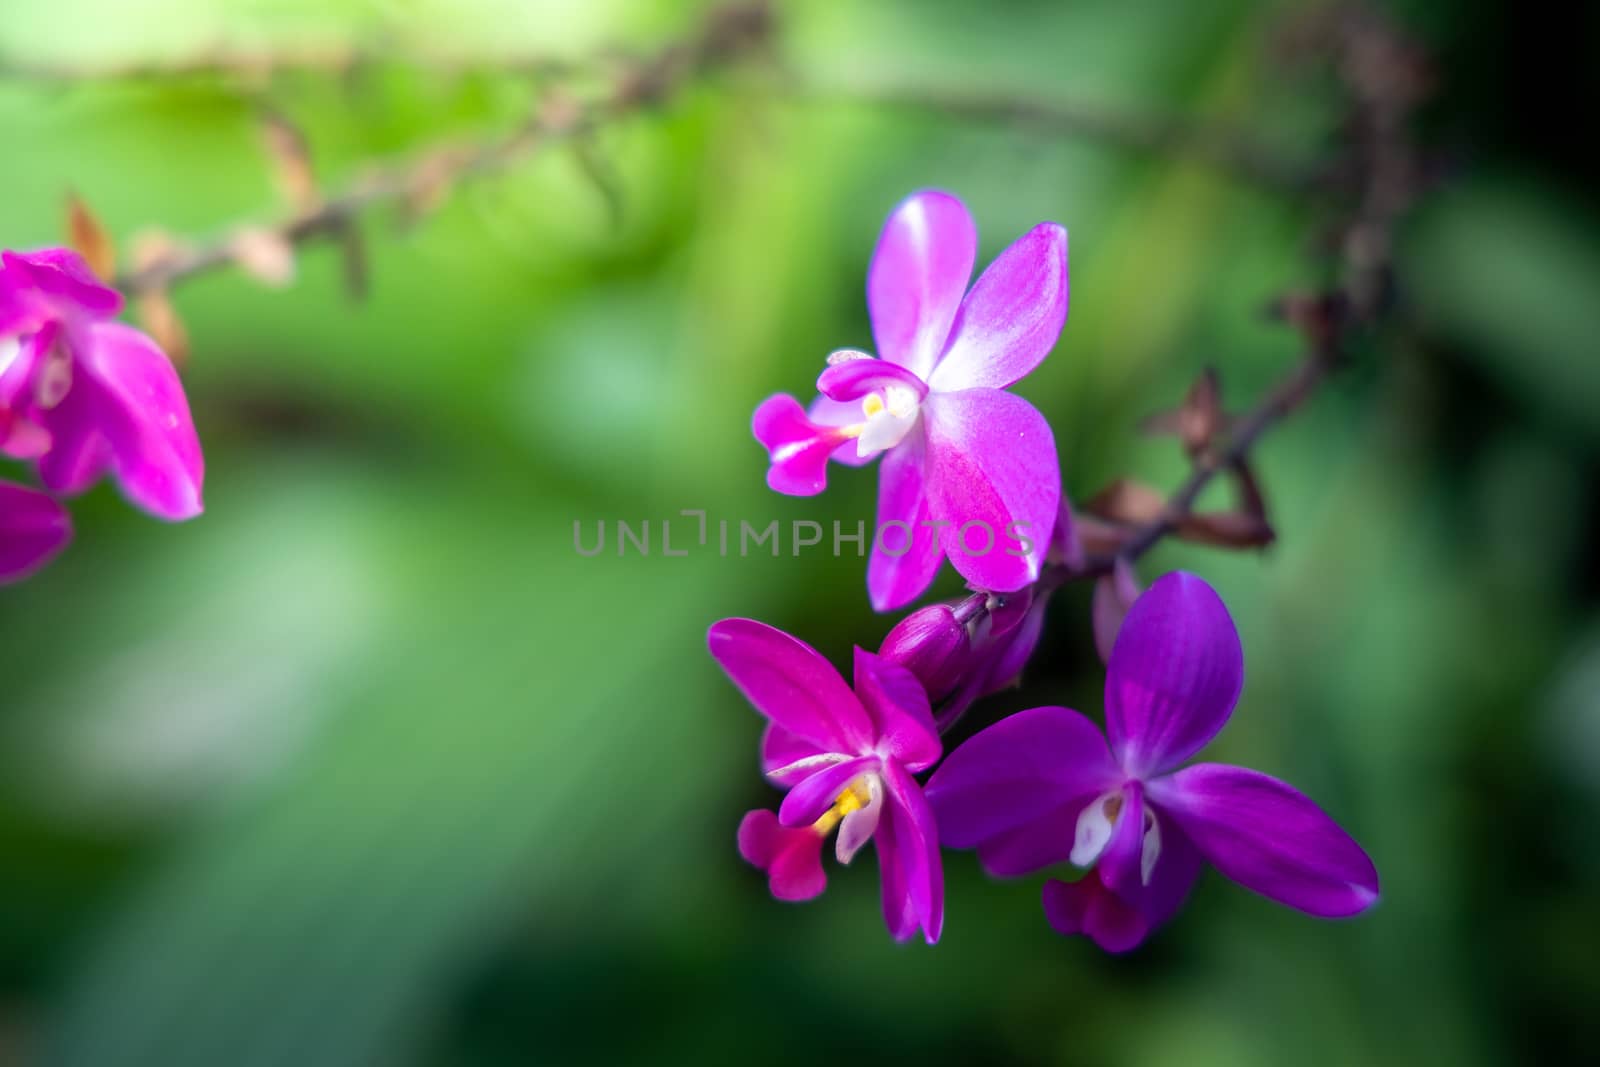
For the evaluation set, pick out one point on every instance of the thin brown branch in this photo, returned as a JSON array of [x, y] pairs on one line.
[[727, 33], [1386, 79], [257, 65]]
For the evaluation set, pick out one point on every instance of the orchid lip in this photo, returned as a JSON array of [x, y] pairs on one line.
[[855, 812], [1097, 825], [891, 398], [858, 374]]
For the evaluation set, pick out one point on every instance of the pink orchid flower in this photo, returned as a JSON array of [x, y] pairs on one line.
[[847, 758], [969, 470], [84, 396]]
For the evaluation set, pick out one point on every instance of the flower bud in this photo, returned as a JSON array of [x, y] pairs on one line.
[[1114, 594], [933, 644]]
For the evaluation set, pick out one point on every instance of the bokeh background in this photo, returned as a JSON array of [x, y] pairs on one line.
[[368, 766]]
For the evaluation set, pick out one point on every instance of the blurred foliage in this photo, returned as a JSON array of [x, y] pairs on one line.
[[368, 766]]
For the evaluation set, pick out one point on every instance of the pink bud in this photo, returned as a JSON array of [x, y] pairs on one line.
[[1114, 594], [933, 644]]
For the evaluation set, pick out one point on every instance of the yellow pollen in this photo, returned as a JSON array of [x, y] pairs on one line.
[[872, 404], [1112, 807], [854, 798]]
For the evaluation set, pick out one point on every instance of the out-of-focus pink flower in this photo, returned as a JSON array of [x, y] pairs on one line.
[[84, 396], [33, 528]]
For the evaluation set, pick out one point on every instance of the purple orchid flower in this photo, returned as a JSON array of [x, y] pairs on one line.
[[1042, 787], [847, 758], [33, 529], [85, 396], [969, 470]]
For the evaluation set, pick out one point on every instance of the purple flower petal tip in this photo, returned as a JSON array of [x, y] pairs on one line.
[[791, 858], [1269, 837]]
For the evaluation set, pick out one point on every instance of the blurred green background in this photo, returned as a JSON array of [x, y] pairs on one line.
[[368, 766]]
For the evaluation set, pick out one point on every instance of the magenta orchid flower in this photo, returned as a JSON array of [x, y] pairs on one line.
[[33, 529], [847, 759], [1043, 786], [969, 470], [84, 396]]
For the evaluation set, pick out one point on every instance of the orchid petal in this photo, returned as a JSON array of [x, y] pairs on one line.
[[993, 478], [791, 684], [853, 379], [807, 801], [1015, 649], [1012, 318], [899, 914], [1270, 838], [919, 272], [19, 363], [919, 885], [1120, 863], [883, 430], [61, 272], [787, 758], [1173, 871], [797, 447], [1028, 775], [21, 438], [836, 413], [34, 528], [899, 709], [904, 562], [1087, 907], [1095, 829], [1065, 544], [791, 858], [1042, 843], [80, 452], [856, 828], [1174, 675], [1119, 922], [154, 449]]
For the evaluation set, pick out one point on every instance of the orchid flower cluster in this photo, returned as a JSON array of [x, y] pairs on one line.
[[1046, 786], [82, 397]]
